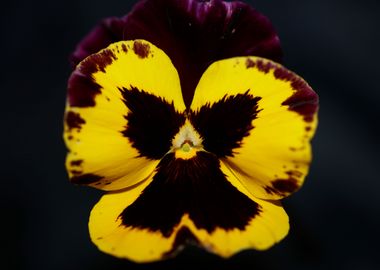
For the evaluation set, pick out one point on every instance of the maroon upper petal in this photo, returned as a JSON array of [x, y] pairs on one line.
[[193, 33]]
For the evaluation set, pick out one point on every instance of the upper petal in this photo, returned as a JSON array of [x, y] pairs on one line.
[[193, 33], [259, 118], [124, 107]]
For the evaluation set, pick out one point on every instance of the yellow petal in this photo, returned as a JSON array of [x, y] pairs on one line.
[[195, 212], [124, 107], [270, 153]]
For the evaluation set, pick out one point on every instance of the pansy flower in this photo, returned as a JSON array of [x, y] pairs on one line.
[[181, 112]]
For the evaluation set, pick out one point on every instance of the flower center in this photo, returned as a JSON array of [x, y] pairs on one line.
[[187, 142]]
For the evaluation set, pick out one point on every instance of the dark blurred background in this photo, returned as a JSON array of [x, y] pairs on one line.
[[335, 217]]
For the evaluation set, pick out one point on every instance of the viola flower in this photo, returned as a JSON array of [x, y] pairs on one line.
[[181, 112]]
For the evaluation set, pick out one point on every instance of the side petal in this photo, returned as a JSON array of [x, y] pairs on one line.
[[193, 33], [259, 118], [124, 107]]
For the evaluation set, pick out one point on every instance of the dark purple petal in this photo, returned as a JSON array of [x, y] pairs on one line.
[[106, 32], [193, 33]]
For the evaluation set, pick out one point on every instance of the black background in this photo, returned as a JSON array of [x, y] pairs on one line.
[[335, 218]]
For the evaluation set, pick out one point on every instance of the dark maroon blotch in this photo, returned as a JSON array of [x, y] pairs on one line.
[[294, 173], [76, 162], [285, 185], [282, 186], [249, 63], [141, 50], [264, 66], [82, 87], [151, 122], [74, 120], [86, 179], [82, 90], [124, 47], [97, 62], [76, 172], [309, 118], [225, 123], [304, 101]]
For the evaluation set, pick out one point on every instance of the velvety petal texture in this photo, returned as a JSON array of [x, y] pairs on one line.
[[193, 33]]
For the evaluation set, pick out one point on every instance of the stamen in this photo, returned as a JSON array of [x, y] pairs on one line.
[[186, 147], [186, 142]]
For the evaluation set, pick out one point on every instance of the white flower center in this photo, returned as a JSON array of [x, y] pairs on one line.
[[186, 142]]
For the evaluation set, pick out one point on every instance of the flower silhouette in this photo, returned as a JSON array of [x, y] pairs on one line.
[[194, 139]]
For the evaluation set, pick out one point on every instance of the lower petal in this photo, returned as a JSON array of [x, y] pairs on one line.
[[157, 218]]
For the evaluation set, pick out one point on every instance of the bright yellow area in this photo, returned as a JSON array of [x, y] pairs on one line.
[[279, 142], [186, 153], [100, 144]]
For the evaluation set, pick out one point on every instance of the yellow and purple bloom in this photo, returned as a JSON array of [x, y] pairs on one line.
[[182, 113]]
